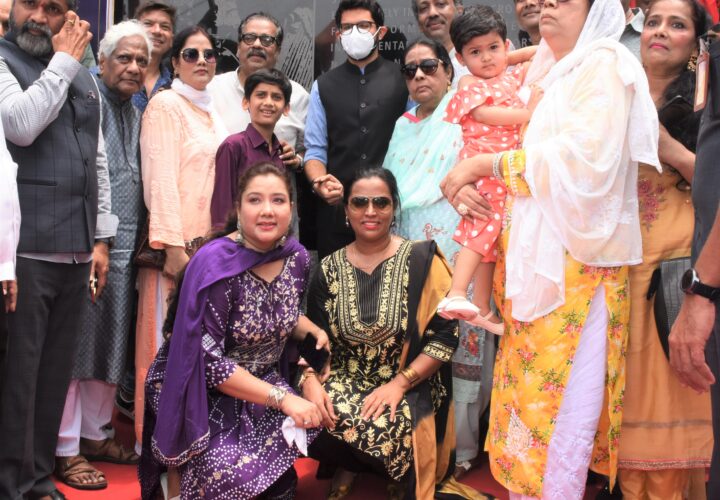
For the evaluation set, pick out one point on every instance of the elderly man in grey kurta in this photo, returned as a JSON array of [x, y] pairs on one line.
[[50, 110], [123, 53]]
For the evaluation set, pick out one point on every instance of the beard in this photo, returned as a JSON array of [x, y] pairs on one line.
[[35, 45]]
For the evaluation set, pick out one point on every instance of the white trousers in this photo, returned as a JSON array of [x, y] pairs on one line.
[[572, 441], [88, 408]]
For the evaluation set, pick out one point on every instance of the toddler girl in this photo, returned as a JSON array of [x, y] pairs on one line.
[[491, 114]]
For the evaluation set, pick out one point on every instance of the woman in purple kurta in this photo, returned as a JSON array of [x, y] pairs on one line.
[[228, 319]]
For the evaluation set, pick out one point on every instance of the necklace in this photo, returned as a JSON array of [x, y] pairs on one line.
[[370, 267]]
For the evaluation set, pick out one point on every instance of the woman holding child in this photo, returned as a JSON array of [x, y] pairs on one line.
[[571, 230]]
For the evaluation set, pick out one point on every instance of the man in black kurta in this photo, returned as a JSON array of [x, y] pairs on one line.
[[352, 113]]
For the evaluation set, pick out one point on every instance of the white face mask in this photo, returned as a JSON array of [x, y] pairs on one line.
[[358, 45]]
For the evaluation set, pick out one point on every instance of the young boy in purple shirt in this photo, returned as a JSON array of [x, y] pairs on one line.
[[267, 98]]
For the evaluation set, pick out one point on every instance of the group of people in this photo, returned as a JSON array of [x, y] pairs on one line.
[[161, 215]]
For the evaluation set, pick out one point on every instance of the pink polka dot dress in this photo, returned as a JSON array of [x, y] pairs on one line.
[[480, 236]]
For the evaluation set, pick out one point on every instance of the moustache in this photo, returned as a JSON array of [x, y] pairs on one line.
[[257, 52], [29, 25]]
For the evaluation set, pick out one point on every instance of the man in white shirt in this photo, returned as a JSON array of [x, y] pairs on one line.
[[259, 41], [434, 18], [9, 237]]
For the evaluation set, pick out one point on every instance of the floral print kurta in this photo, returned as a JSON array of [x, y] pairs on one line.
[[533, 366]]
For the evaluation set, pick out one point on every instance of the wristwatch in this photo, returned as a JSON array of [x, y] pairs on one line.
[[691, 284], [108, 241]]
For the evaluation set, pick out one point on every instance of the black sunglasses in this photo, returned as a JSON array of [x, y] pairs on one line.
[[379, 202], [265, 40], [428, 66], [192, 55]]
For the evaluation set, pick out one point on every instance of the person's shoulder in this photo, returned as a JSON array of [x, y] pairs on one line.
[[298, 91], [222, 81], [165, 100]]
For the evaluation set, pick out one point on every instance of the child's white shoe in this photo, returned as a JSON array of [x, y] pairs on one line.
[[457, 308], [485, 323]]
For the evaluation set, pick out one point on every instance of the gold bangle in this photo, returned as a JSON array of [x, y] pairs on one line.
[[410, 374], [308, 373]]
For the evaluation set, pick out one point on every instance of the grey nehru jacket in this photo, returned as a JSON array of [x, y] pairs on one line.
[[39, 105]]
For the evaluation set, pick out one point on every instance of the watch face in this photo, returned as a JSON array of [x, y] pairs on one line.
[[687, 279]]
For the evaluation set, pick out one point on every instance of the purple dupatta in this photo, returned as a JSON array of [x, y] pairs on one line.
[[182, 419]]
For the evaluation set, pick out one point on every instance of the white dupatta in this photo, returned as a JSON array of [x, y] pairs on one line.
[[594, 124]]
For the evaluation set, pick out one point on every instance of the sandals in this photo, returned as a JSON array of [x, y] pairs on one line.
[[68, 468], [457, 308], [485, 323], [107, 450]]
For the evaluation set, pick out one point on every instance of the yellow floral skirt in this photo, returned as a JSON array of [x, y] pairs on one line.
[[532, 369]]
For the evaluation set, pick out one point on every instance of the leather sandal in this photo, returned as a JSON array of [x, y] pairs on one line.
[[107, 450], [68, 468], [485, 323]]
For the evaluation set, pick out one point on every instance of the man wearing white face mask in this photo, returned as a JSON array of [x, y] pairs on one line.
[[352, 112]]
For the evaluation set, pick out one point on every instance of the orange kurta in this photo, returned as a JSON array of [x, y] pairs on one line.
[[665, 425], [178, 142]]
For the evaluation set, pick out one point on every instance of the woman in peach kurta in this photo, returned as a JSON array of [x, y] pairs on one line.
[[178, 143], [571, 231]]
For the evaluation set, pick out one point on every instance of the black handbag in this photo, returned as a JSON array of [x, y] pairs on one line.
[[668, 296]]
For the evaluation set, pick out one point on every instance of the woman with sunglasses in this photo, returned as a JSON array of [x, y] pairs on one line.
[[666, 442], [387, 404], [571, 230], [422, 138], [179, 138]]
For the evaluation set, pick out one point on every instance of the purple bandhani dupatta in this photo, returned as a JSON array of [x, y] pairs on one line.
[[182, 419]]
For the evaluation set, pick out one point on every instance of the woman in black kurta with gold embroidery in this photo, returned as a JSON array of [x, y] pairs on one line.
[[388, 400]]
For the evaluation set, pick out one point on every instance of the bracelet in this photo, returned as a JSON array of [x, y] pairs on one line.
[[497, 159], [275, 397], [308, 373], [410, 374]]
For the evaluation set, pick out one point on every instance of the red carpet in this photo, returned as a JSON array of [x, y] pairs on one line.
[[123, 484]]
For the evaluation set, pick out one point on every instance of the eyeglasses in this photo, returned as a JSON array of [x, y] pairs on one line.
[[192, 55], [428, 66], [379, 202], [362, 27], [265, 40]]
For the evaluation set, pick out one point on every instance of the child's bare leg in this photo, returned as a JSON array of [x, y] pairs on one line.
[[483, 289], [465, 265]]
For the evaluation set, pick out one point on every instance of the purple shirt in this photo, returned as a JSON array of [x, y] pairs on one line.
[[236, 154]]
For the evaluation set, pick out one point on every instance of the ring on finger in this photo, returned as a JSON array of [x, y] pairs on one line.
[[71, 21], [462, 209]]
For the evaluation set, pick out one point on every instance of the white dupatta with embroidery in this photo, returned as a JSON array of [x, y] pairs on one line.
[[594, 124]]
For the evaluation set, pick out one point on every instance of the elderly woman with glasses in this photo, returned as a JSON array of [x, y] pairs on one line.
[[180, 136]]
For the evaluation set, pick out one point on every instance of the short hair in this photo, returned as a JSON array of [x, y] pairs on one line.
[[381, 173], [272, 77], [181, 38], [477, 20], [263, 15], [438, 49], [415, 6], [376, 11], [150, 5], [119, 31]]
